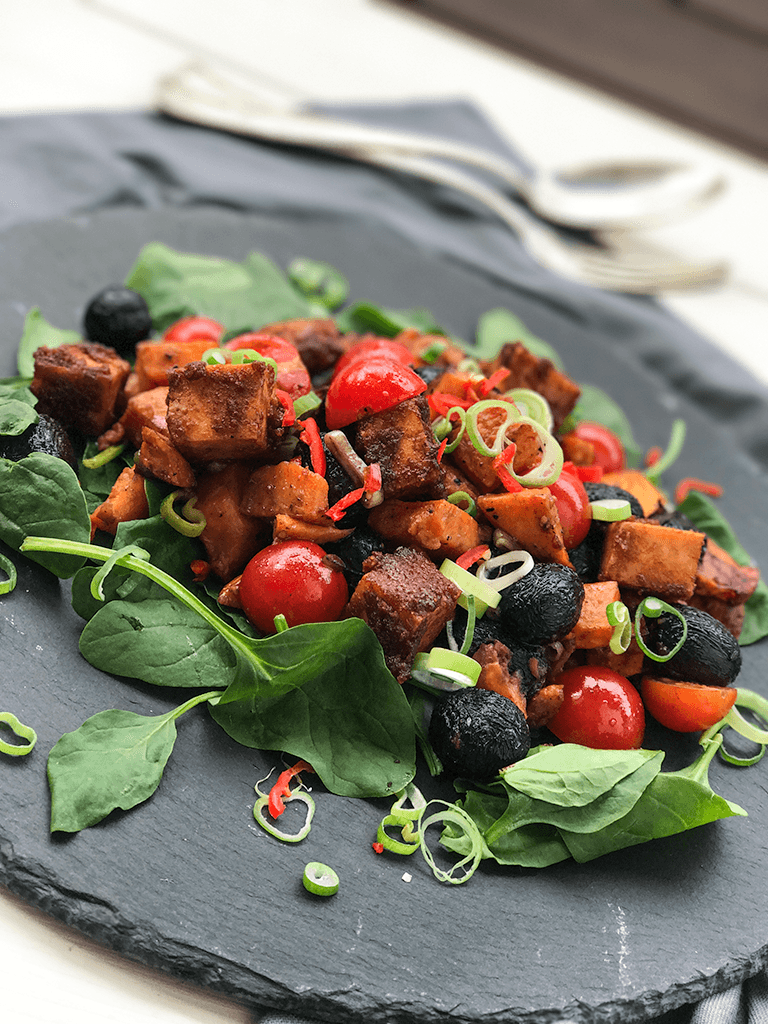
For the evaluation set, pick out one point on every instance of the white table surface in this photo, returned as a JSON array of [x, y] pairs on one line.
[[89, 54]]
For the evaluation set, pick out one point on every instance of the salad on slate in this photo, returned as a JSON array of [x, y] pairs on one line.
[[353, 538]]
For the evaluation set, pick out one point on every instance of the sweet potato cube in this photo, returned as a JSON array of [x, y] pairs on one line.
[[286, 488], [289, 528], [403, 443], [80, 385], [438, 527], [230, 537], [650, 497], [223, 412], [593, 629], [721, 577], [527, 370], [154, 359], [126, 501], [406, 601], [159, 459], [146, 409], [531, 518], [651, 558], [628, 663]]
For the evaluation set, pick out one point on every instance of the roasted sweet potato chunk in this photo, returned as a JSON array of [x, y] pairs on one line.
[[403, 443], [652, 559], [439, 528], [80, 385], [223, 412], [593, 629], [531, 518], [406, 601], [721, 577], [126, 501], [541, 375], [159, 459], [286, 488], [230, 537], [155, 359], [650, 497]]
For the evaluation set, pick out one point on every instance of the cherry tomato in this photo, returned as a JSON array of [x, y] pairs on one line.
[[573, 508], [292, 375], [600, 709], [609, 451], [193, 328], [373, 348], [686, 707], [292, 579], [367, 387]]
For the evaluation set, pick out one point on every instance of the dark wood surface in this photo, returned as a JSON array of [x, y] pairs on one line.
[[702, 63]]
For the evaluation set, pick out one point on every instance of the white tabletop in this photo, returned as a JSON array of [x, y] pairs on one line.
[[76, 54]]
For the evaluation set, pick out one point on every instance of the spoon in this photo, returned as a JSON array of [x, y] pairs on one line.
[[610, 196]]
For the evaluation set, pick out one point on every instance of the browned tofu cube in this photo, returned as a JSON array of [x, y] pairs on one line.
[[406, 601], [230, 537], [652, 559], [403, 443], [80, 385], [529, 371], [317, 340], [288, 488], [223, 412], [439, 528]]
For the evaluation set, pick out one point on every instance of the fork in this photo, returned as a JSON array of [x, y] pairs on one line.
[[199, 95]]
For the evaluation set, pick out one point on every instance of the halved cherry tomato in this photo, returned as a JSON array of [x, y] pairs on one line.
[[600, 709], [193, 328], [373, 348], [686, 707], [367, 387], [291, 578], [573, 508], [292, 375], [609, 451]]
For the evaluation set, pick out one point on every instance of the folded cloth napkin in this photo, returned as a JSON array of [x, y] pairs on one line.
[[52, 166]]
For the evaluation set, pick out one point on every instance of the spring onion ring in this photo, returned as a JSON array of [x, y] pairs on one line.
[[306, 403], [610, 510], [103, 457], [287, 837], [190, 524], [473, 414], [7, 566], [443, 669], [463, 496], [485, 596], [319, 879], [618, 616], [214, 357], [653, 607], [532, 405], [24, 732], [455, 817], [506, 579]]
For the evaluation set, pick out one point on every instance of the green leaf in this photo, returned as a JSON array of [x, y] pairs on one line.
[[242, 296], [114, 760], [40, 496], [707, 517], [598, 407], [36, 333], [499, 326], [366, 316], [319, 282]]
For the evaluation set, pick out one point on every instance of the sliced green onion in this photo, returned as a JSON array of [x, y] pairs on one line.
[[653, 607], [24, 732], [473, 414], [103, 457], [533, 405], [281, 623], [191, 524], [471, 366], [740, 762], [618, 616], [116, 558], [752, 702], [214, 357], [469, 631], [7, 566], [675, 446], [485, 596], [506, 579], [319, 879], [433, 352], [306, 403], [610, 510], [462, 496], [443, 426], [442, 669], [455, 817], [262, 804]]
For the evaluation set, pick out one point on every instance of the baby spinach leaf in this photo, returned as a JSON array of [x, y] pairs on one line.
[[499, 326], [319, 282], [242, 296], [114, 760], [17, 408], [704, 514], [37, 332], [40, 496]]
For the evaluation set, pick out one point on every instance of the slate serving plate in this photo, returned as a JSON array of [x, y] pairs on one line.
[[187, 883]]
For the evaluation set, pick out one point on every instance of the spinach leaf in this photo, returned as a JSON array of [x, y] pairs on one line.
[[707, 517], [37, 332], [17, 408], [598, 407], [366, 316], [40, 496], [242, 296], [499, 326], [114, 760], [319, 282]]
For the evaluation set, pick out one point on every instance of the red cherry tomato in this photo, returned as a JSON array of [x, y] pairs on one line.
[[193, 328], [686, 707], [609, 451], [373, 348], [600, 709], [292, 579], [573, 508], [367, 387], [292, 374]]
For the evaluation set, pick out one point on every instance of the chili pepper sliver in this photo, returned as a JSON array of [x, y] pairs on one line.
[[310, 435], [691, 483]]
